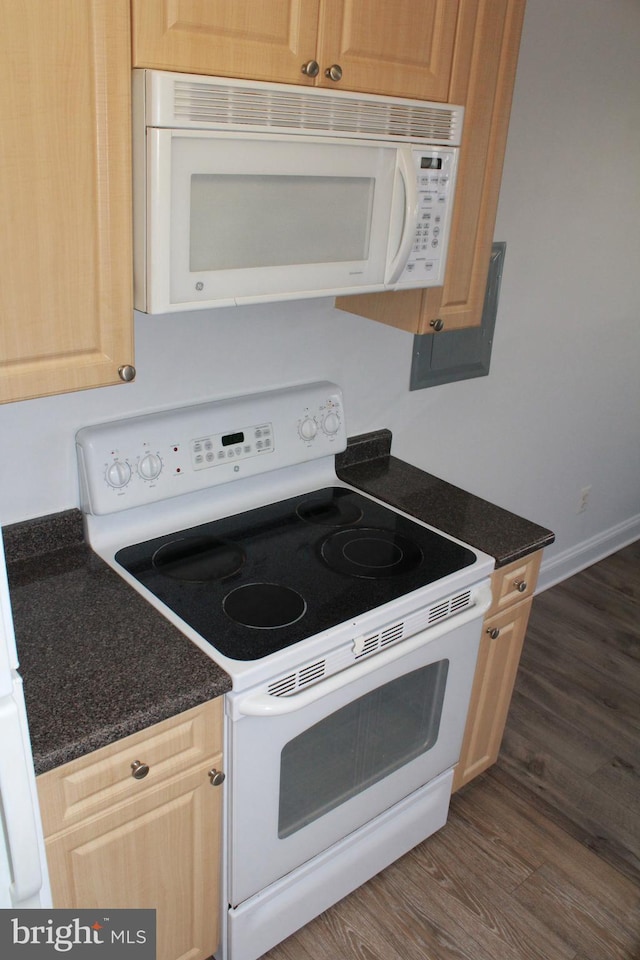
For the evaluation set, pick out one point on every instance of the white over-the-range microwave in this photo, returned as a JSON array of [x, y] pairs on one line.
[[247, 192]]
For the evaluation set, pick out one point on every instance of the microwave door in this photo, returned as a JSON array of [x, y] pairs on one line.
[[250, 218]]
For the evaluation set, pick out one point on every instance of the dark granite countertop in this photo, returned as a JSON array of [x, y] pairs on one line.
[[97, 660], [368, 465]]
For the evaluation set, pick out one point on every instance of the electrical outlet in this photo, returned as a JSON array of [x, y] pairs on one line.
[[583, 499]]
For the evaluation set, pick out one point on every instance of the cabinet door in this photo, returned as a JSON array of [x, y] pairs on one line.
[[484, 63], [65, 246], [498, 659], [394, 47], [482, 80], [269, 40], [160, 852]]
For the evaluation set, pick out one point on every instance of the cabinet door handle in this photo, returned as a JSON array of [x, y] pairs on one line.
[[216, 777], [334, 72], [311, 68], [139, 770], [494, 632], [520, 585]]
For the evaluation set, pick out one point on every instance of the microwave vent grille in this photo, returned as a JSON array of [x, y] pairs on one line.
[[267, 107]]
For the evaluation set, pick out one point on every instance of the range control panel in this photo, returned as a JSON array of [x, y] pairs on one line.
[[133, 462], [221, 448]]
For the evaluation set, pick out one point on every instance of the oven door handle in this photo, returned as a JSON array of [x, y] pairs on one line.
[[266, 705]]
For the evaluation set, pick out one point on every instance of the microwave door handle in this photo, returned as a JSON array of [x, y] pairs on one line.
[[266, 705], [405, 187]]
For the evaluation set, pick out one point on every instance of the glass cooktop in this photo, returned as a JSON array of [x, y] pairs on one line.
[[258, 581]]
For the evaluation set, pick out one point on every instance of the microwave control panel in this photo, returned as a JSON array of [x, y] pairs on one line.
[[435, 170]]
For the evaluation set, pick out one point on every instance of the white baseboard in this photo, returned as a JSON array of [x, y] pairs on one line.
[[557, 568]]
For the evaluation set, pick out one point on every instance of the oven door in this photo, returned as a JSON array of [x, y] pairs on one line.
[[310, 769]]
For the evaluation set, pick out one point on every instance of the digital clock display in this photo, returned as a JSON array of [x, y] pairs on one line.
[[232, 438], [431, 163]]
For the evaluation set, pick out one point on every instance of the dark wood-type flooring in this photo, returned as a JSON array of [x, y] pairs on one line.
[[540, 858]]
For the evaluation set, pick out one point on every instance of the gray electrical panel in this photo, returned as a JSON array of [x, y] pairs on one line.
[[452, 355]]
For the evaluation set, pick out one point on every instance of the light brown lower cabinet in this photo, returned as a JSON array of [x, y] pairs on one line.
[[501, 643], [117, 836]]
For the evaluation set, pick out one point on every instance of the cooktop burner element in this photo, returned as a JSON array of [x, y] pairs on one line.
[[264, 606], [198, 559], [366, 552], [297, 567]]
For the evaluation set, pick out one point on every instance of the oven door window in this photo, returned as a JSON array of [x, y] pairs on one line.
[[359, 745]]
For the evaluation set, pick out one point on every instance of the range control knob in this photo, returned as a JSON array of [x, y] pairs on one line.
[[118, 474], [308, 428], [150, 466], [331, 423]]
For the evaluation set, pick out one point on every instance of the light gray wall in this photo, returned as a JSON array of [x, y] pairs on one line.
[[561, 407]]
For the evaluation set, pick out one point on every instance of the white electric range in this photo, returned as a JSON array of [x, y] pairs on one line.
[[349, 630]]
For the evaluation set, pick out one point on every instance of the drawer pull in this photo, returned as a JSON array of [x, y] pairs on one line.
[[139, 770], [494, 632], [520, 585], [216, 777]]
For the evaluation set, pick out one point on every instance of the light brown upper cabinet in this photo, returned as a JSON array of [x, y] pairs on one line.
[[486, 53], [66, 307], [394, 47]]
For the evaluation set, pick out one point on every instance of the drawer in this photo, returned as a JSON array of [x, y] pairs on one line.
[[515, 582], [105, 778]]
